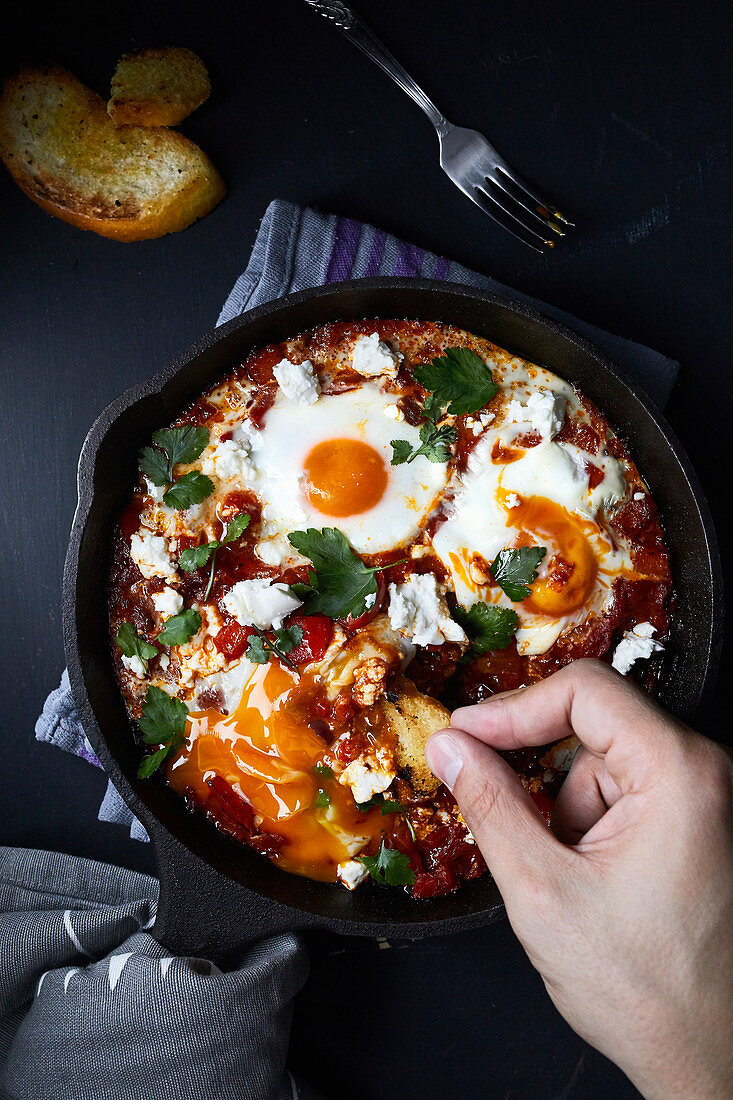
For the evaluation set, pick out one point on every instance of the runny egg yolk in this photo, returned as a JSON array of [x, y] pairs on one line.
[[265, 753], [571, 564], [344, 477]]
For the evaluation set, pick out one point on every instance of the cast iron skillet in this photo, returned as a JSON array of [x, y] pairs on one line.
[[215, 894]]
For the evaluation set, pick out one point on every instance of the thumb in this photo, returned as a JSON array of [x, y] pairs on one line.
[[514, 840]]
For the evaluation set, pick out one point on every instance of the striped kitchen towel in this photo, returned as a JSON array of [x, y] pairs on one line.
[[297, 248]]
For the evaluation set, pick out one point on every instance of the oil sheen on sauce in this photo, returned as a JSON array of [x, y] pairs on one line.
[[266, 753]]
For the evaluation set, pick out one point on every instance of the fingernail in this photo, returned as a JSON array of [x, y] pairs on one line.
[[444, 758]]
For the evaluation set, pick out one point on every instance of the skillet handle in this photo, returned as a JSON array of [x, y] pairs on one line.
[[203, 913]]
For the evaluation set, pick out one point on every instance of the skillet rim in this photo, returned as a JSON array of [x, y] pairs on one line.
[[157, 384]]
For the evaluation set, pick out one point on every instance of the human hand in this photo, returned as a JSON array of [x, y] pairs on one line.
[[626, 906]]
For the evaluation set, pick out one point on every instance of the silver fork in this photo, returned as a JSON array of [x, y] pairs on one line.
[[466, 157]]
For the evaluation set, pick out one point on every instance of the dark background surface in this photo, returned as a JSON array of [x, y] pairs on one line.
[[618, 112]]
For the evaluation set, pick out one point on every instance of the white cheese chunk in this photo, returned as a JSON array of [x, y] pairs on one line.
[[418, 609], [151, 556], [259, 603], [136, 665], [394, 412], [154, 491], [637, 644], [230, 459], [298, 381], [368, 775], [269, 552], [249, 433], [168, 602], [544, 411], [372, 356], [352, 873]]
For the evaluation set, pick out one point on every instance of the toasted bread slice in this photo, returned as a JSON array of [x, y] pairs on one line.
[[62, 148], [157, 87], [412, 718]]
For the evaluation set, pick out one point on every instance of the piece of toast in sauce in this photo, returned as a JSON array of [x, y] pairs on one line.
[[412, 718]]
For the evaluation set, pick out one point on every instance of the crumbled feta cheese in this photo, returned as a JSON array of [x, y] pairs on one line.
[[269, 552], [394, 412], [298, 381], [247, 432], [368, 775], [351, 873], [371, 356], [259, 603], [370, 600], [150, 554], [136, 665], [513, 501], [486, 418], [154, 491], [164, 660], [545, 411], [474, 426], [418, 609], [636, 644], [639, 496], [168, 602], [230, 459]]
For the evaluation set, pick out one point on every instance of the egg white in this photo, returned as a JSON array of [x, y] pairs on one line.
[[290, 431]]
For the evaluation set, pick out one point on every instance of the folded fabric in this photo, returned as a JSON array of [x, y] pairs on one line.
[[92, 1007], [297, 248]]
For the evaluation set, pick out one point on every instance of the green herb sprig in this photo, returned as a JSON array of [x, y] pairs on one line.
[[162, 722], [197, 556], [339, 583], [488, 627], [389, 867], [516, 570], [262, 646], [459, 379], [174, 445]]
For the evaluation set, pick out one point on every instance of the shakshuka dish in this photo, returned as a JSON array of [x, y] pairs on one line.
[[351, 533]]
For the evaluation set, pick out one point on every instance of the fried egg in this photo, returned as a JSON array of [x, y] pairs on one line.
[[329, 464], [541, 497]]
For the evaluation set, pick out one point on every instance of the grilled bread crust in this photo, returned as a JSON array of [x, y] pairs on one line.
[[413, 718], [157, 87], [64, 151]]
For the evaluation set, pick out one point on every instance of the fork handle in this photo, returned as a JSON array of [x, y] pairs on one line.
[[350, 25]]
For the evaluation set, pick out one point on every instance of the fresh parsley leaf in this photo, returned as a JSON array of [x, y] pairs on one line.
[[261, 647], [515, 570], [132, 645], [197, 556], [257, 650], [389, 867], [341, 581], [172, 445], [162, 722], [487, 626], [180, 628], [190, 489], [432, 409], [154, 464], [236, 528], [459, 379], [389, 807], [364, 807], [322, 799], [401, 452], [323, 770]]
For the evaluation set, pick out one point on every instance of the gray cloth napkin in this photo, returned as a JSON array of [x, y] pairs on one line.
[[93, 1008], [298, 248]]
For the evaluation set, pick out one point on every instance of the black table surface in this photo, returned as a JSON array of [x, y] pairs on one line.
[[618, 112]]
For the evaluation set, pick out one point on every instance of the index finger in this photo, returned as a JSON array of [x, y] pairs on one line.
[[609, 715]]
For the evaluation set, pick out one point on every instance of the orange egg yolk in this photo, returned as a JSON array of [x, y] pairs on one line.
[[571, 563], [344, 477], [266, 754]]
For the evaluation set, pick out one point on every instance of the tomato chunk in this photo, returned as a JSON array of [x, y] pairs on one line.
[[317, 635], [232, 639]]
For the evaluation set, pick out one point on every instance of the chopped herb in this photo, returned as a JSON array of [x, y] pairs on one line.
[[172, 445], [389, 807], [515, 570], [190, 489], [389, 867], [322, 799], [323, 770], [435, 443], [197, 556], [180, 628], [340, 582], [163, 722], [132, 645], [487, 626], [262, 647], [459, 379]]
